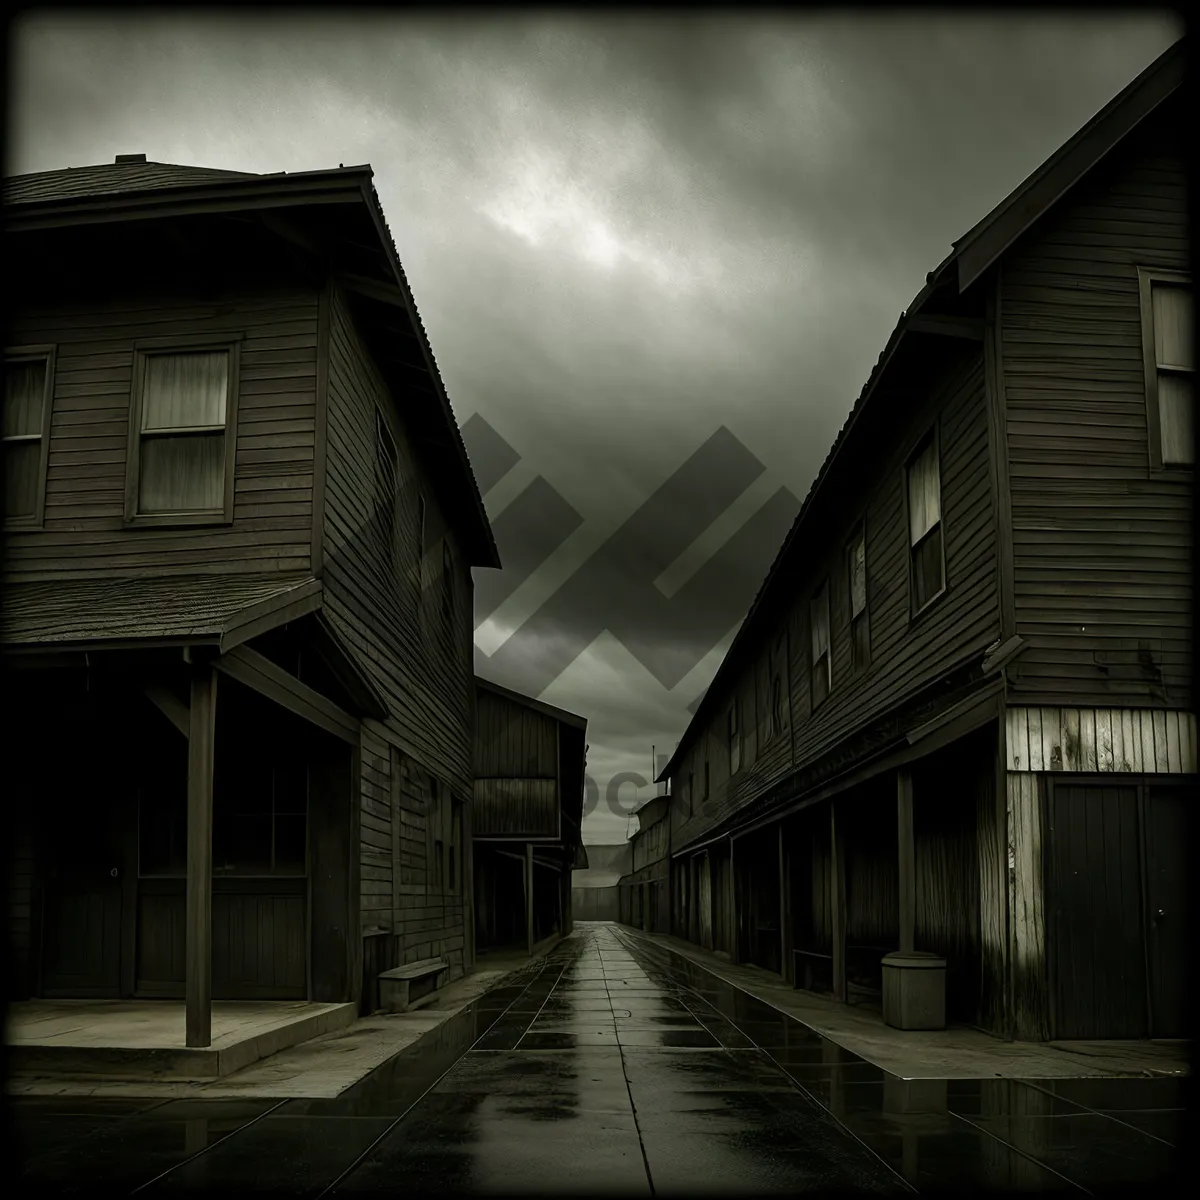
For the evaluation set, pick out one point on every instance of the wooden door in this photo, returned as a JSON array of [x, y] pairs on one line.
[[83, 897], [1094, 919], [1167, 947]]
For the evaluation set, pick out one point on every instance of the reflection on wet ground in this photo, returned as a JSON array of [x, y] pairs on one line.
[[616, 1065]]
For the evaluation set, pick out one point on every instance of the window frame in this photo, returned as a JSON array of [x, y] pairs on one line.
[[385, 439], [824, 588], [860, 536], [1147, 278], [46, 353], [143, 349], [931, 436]]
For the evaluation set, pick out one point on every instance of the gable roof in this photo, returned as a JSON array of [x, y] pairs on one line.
[[135, 190], [969, 258], [572, 720]]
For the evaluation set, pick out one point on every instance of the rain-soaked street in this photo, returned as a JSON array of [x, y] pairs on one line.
[[612, 1065]]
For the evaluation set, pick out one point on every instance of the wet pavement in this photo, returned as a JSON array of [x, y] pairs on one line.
[[614, 1065]]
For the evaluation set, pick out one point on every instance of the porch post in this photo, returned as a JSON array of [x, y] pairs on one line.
[[908, 865], [529, 897], [785, 911], [733, 913], [837, 902], [202, 730]]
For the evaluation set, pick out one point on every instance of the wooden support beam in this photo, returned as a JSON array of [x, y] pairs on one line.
[[907, 858], [837, 903], [733, 913], [198, 935], [529, 898], [787, 967], [170, 706], [258, 672]]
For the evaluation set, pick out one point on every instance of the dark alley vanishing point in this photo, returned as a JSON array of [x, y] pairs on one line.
[[614, 1064]]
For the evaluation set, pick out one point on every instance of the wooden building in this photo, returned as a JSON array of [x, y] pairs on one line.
[[240, 524], [959, 712], [530, 760]]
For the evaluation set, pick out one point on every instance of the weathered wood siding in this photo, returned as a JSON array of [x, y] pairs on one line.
[[93, 329], [1030, 1001], [512, 740], [420, 662], [516, 808], [1083, 740], [906, 654], [1102, 547]]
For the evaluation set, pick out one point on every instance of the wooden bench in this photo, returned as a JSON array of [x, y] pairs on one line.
[[396, 991]]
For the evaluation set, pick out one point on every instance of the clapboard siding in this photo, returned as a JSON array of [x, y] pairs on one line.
[[420, 662], [905, 655], [84, 533], [516, 808], [1102, 547]]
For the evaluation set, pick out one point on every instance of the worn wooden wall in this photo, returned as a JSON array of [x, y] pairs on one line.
[[387, 606], [1030, 999], [905, 654], [1083, 740], [1102, 547], [92, 297]]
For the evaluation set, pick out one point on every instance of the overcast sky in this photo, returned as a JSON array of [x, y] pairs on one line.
[[623, 235]]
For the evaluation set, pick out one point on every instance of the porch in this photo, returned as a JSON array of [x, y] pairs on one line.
[[144, 1039]]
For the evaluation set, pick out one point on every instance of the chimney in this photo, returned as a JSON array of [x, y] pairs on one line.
[[130, 158]]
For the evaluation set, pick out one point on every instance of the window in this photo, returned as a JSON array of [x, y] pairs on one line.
[[181, 448], [735, 738], [260, 822], [856, 564], [438, 838], [456, 846], [26, 433], [419, 548], [927, 564], [447, 582], [822, 660], [1170, 365], [387, 474]]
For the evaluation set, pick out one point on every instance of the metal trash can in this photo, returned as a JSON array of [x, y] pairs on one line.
[[914, 990]]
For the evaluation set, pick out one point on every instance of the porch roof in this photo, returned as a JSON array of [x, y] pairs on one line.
[[217, 610]]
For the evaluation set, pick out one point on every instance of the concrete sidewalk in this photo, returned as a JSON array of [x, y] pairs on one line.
[[958, 1052], [321, 1068]]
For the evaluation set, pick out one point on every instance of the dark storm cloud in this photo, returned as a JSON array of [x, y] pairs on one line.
[[623, 233]]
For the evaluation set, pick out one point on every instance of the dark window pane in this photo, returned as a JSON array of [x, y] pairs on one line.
[[183, 391], [182, 474], [291, 789], [24, 395], [290, 845], [860, 641], [927, 569], [820, 680], [22, 463], [251, 843]]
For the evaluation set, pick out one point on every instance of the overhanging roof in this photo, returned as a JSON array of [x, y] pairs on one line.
[[547, 710], [215, 610], [129, 191], [969, 258]]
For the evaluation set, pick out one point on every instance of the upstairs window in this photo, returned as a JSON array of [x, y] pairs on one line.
[[26, 434], [927, 563], [1170, 366], [181, 454], [856, 565], [447, 582], [734, 731], [822, 660], [387, 476]]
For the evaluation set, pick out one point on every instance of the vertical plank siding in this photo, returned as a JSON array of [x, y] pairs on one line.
[[84, 533], [513, 741], [1087, 740], [1030, 1001], [992, 859], [1102, 547]]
